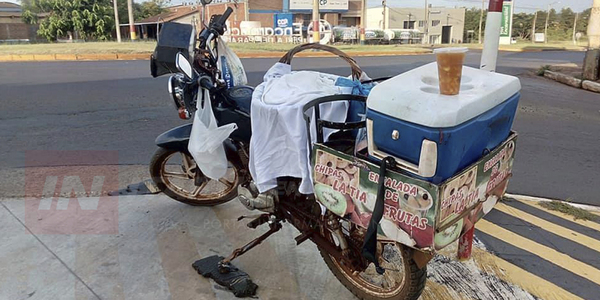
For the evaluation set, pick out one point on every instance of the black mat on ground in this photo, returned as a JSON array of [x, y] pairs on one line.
[[235, 280]]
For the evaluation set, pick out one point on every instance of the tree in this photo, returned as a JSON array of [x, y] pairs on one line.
[[152, 8], [141, 11], [89, 19], [522, 23], [472, 21], [122, 7], [583, 20]]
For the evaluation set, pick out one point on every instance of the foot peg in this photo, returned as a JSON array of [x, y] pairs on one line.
[[252, 199]]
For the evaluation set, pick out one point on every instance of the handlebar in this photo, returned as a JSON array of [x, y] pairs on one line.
[[224, 17], [215, 29]]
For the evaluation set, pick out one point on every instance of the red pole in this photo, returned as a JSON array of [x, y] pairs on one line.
[[465, 244], [496, 5], [489, 56]]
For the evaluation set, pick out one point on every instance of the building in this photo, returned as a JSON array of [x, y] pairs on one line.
[[148, 28], [12, 28], [267, 12], [444, 25]]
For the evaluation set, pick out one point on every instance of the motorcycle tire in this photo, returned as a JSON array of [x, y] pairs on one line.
[[190, 193], [411, 287]]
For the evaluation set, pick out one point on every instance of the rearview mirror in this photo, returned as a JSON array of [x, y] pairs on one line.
[[184, 66], [205, 2]]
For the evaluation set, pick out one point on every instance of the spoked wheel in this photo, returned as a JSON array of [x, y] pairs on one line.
[[402, 278], [175, 173]]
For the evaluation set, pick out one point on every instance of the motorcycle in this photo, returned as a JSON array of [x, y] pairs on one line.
[[172, 168], [370, 257], [338, 240]]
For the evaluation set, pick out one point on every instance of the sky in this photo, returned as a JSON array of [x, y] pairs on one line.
[[520, 5]]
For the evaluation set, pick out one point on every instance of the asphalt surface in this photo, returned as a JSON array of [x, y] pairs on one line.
[[116, 105]]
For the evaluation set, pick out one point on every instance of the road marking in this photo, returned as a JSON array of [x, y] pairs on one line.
[[586, 223], [590, 208], [519, 277], [566, 233], [562, 260]]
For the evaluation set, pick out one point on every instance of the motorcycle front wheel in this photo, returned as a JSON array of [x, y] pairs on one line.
[[175, 173], [402, 280]]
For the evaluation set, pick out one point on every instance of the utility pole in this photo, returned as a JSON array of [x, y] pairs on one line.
[[547, 18], [426, 29], [546, 26], [363, 22], [533, 27], [316, 22], [117, 26], [575, 29], [131, 21], [591, 64], [384, 9], [481, 19]]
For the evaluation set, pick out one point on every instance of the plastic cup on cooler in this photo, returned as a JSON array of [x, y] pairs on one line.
[[450, 63]]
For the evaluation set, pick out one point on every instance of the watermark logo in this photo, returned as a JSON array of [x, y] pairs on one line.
[[69, 189]]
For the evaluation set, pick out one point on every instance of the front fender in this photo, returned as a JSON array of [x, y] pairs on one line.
[[177, 139]]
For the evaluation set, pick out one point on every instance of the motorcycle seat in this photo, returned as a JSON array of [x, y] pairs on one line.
[[241, 96]]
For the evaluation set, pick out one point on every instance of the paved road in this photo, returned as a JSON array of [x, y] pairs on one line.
[[116, 105]]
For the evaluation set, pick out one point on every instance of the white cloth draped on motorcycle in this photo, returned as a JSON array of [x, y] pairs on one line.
[[279, 146], [206, 139]]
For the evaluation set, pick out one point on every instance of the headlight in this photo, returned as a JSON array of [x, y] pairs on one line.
[[170, 85], [175, 90]]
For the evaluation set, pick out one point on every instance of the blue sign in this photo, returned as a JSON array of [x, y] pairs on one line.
[[283, 20]]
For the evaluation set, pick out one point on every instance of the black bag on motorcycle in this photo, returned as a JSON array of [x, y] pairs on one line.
[[173, 38]]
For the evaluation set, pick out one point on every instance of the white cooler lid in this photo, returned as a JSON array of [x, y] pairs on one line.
[[414, 96]]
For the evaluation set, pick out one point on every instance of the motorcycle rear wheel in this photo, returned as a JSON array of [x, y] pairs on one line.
[[403, 279], [175, 177]]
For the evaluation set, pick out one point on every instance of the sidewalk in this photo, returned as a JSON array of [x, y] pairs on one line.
[[150, 257]]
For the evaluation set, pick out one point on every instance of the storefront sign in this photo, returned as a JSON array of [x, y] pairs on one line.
[[323, 4], [282, 34], [284, 39], [283, 20], [506, 24]]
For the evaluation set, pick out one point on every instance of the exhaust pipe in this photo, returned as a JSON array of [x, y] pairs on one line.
[[491, 42]]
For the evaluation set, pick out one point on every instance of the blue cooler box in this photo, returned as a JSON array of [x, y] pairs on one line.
[[435, 136]]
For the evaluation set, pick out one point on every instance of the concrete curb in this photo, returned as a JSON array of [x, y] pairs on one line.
[[541, 199], [74, 57], [562, 78], [146, 56], [272, 54], [572, 81], [591, 86]]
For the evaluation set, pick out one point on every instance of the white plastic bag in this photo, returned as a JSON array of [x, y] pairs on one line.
[[230, 66], [206, 140]]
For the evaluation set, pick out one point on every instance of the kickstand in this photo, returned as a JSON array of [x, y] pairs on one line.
[[225, 264]]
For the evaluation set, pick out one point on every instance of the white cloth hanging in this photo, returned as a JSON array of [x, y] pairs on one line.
[[279, 145]]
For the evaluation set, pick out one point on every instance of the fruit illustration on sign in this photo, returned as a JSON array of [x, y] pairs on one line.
[[444, 238], [333, 200]]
